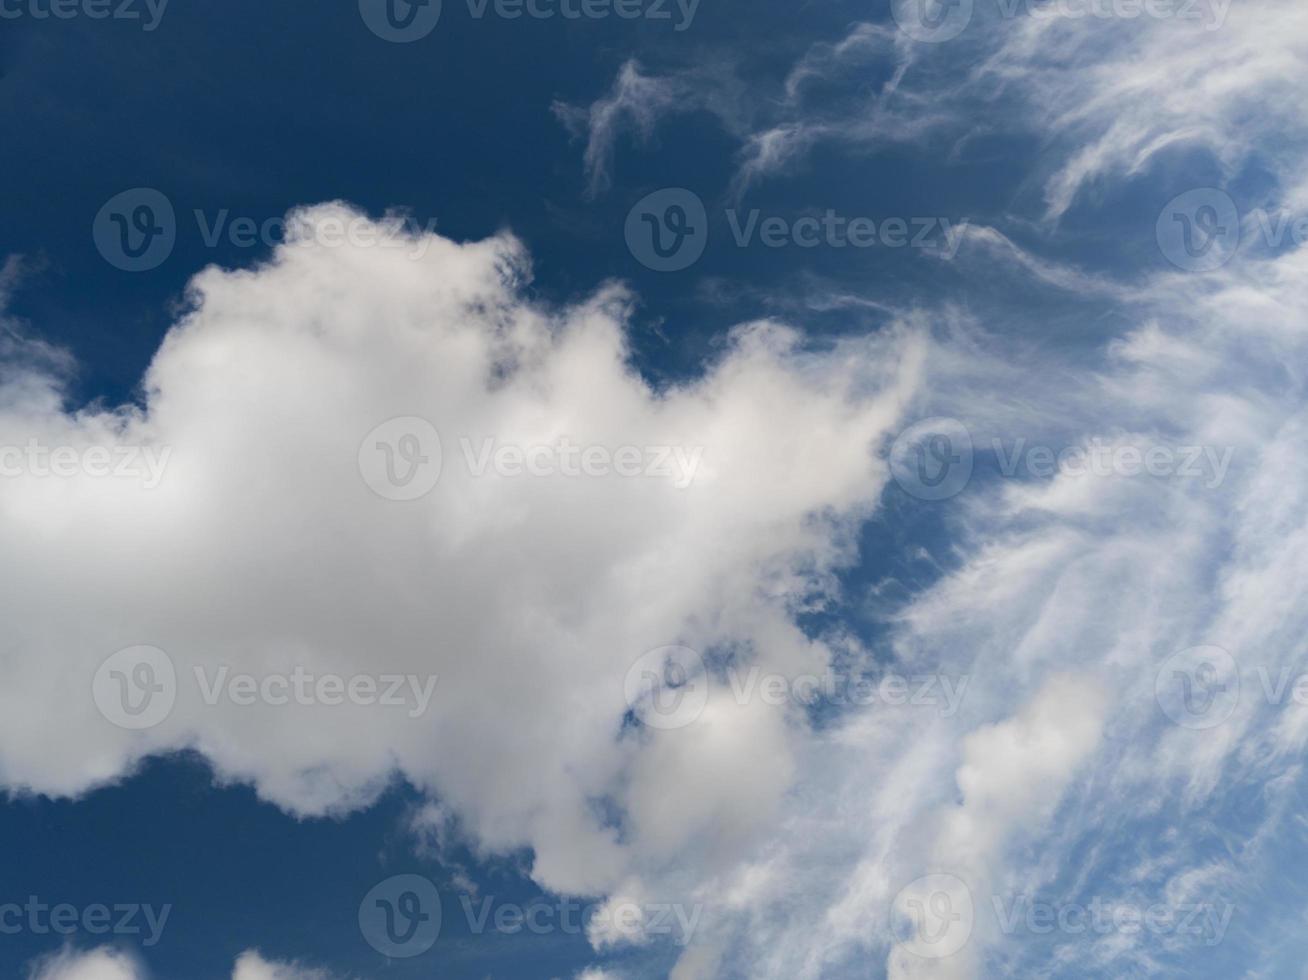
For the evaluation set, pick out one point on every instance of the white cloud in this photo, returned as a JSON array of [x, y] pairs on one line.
[[530, 598], [108, 964], [102, 964], [251, 966]]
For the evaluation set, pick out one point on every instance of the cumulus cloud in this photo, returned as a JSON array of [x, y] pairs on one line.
[[518, 602]]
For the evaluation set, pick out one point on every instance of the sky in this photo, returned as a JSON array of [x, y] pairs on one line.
[[623, 489]]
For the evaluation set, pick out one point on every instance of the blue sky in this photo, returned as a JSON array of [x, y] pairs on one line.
[[774, 490]]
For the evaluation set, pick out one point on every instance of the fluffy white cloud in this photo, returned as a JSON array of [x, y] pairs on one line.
[[262, 550]]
